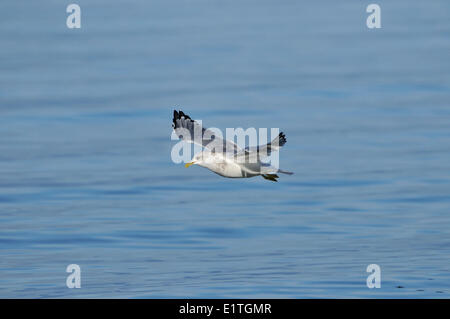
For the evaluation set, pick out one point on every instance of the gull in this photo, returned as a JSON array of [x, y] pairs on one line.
[[224, 157]]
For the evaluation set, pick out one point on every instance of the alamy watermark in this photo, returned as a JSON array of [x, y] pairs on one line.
[[74, 279], [374, 279], [374, 19], [73, 21]]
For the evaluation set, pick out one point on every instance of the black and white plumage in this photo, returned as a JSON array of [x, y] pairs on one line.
[[225, 157], [192, 132]]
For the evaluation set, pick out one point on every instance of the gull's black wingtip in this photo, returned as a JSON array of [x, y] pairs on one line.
[[187, 117], [175, 118], [282, 139], [178, 116]]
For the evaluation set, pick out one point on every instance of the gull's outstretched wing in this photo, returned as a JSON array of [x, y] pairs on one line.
[[191, 131], [264, 150]]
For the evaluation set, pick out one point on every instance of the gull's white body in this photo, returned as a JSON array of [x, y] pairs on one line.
[[221, 165], [227, 166]]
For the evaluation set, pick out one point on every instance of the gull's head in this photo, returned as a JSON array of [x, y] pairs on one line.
[[196, 160]]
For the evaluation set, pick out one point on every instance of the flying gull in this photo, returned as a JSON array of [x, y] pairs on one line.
[[224, 157]]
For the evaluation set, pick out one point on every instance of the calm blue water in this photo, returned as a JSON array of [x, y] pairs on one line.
[[85, 169]]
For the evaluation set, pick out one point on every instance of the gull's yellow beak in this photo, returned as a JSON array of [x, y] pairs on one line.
[[189, 164]]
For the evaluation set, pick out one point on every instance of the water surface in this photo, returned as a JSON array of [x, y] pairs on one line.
[[86, 175]]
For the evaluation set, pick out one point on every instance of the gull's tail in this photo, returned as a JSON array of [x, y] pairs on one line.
[[269, 174], [284, 172]]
